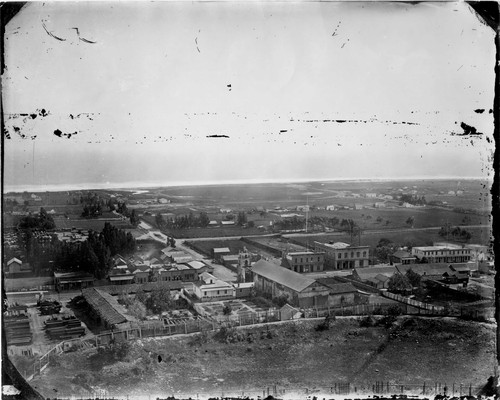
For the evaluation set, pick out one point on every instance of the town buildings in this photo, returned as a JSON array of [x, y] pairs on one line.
[[279, 282], [303, 261], [343, 256], [443, 253], [210, 288]]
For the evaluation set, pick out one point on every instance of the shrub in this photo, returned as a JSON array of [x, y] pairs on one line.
[[325, 324], [227, 310], [367, 322]]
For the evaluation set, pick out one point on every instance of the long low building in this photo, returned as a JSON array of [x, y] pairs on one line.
[[105, 307], [299, 290]]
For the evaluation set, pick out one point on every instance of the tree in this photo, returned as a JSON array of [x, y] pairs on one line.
[[171, 241], [227, 310], [241, 219], [137, 309], [134, 218], [398, 283], [159, 300], [414, 278], [160, 222], [410, 221]]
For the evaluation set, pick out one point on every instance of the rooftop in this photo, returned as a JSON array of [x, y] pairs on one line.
[[283, 276]]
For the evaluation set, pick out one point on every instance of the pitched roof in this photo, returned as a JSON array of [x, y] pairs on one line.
[[103, 304], [372, 272], [222, 250], [425, 269], [14, 260], [402, 254], [336, 287], [283, 276]]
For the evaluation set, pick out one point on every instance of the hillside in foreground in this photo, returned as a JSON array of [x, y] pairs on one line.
[[288, 356]]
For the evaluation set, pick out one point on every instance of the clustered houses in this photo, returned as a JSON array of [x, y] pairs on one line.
[[378, 277], [303, 261], [443, 253], [343, 256], [172, 266]]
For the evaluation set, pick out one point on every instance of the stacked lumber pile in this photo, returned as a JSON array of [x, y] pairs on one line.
[[64, 328], [17, 330]]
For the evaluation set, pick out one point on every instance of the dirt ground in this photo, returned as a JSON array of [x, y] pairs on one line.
[[290, 355]]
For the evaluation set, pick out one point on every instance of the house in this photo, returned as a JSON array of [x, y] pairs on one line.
[[358, 206], [371, 195], [339, 293], [200, 266], [243, 289], [380, 204], [369, 275], [104, 307], [72, 280], [16, 268], [303, 261], [278, 282], [330, 208], [287, 312], [217, 253], [120, 276], [343, 256], [403, 257], [443, 253], [209, 288], [227, 223], [231, 260], [434, 271]]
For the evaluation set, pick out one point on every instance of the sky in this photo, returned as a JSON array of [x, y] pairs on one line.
[[114, 94]]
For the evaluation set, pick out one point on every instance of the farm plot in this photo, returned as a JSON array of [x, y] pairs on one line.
[[205, 246], [94, 224]]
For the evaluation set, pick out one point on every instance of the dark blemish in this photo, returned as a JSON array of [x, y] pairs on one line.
[[71, 116], [479, 110], [491, 111], [469, 130], [488, 139], [460, 67], [57, 132], [42, 112], [33, 116], [16, 129], [52, 35], [229, 86], [217, 136], [159, 358], [283, 130], [340, 121], [87, 41], [196, 41], [23, 115]]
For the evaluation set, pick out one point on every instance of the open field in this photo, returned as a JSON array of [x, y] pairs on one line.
[[415, 237], [205, 246], [292, 356]]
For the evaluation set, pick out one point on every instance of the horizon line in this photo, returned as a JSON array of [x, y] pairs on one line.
[[66, 187]]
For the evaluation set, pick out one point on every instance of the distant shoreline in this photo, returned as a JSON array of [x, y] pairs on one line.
[[133, 186]]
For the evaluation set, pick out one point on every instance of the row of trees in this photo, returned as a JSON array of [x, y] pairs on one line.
[[183, 221], [93, 255], [413, 199], [41, 222], [456, 232], [93, 205]]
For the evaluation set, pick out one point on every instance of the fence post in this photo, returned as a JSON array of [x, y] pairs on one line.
[[185, 327]]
